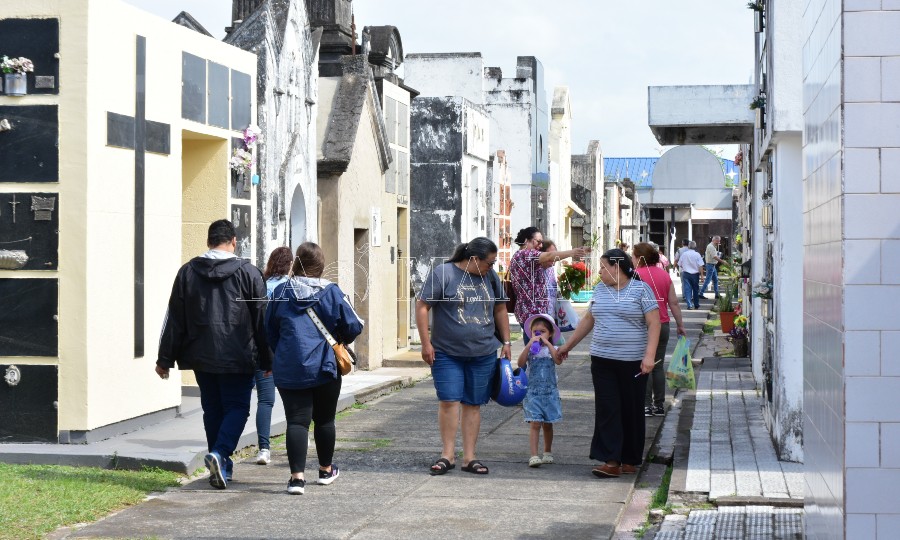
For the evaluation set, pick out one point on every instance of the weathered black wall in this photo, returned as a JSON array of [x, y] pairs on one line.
[[436, 142]]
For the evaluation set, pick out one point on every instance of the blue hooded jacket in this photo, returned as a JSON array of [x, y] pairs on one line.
[[303, 358]]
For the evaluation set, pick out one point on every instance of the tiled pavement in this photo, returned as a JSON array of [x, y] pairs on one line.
[[731, 452], [734, 523]]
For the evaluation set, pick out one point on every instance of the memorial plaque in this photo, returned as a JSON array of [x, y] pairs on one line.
[[240, 100], [218, 95], [240, 216], [193, 88], [37, 40], [29, 231], [28, 397], [30, 148], [28, 320]]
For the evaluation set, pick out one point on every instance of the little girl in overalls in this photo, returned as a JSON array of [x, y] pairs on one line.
[[542, 404]]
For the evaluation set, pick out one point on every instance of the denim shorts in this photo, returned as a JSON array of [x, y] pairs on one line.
[[466, 379]]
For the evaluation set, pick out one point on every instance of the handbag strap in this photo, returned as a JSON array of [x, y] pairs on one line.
[[324, 331]]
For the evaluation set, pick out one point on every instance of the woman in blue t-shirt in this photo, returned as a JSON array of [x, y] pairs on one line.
[[623, 345]]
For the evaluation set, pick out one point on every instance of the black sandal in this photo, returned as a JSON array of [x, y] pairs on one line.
[[475, 467], [443, 466]]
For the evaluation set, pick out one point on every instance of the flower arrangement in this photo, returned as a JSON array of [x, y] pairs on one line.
[[573, 278], [738, 332], [762, 289], [16, 65], [242, 158]]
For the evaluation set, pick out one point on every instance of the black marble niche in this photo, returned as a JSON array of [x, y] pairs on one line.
[[29, 223], [193, 88], [240, 216], [37, 40], [240, 100], [29, 152], [28, 411], [218, 95], [240, 181], [28, 324]]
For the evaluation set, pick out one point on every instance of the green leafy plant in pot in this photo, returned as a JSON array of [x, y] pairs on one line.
[[725, 307]]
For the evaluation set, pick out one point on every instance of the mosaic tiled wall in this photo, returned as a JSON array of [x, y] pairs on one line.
[[851, 281], [823, 429]]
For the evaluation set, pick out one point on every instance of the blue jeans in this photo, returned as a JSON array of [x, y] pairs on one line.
[[225, 398], [691, 283], [711, 275], [466, 379], [265, 399]]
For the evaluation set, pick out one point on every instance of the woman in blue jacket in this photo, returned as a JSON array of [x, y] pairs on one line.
[[304, 367]]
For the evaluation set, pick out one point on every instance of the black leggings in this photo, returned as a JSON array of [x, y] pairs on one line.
[[300, 406]]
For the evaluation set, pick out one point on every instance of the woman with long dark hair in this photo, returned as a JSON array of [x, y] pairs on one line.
[[468, 311], [623, 347], [528, 273], [305, 368]]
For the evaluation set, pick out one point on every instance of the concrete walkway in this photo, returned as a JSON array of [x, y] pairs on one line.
[[385, 491]]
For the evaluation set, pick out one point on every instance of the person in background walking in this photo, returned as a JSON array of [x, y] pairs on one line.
[[468, 311], [645, 259], [528, 273], [214, 326], [623, 320], [305, 368], [542, 405], [690, 263], [278, 268], [663, 263], [712, 258]]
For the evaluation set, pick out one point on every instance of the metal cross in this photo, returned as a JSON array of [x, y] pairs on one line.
[[14, 203]]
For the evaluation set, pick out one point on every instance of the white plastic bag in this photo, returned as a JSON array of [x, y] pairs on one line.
[[566, 318]]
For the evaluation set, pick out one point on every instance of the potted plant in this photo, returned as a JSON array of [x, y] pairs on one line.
[[758, 102], [738, 336], [573, 279], [725, 307], [14, 75]]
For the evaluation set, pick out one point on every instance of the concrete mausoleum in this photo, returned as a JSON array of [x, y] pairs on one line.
[[115, 163]]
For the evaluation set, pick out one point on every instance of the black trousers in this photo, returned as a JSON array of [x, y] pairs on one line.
[[316, 404], [618, 411]]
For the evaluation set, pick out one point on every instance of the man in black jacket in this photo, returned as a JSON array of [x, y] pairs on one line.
[[214, 326]]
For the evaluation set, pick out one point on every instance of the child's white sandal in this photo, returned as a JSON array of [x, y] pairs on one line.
[[547, 459], [535, 461]]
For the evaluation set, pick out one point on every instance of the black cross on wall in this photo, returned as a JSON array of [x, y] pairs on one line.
[[142, 136]]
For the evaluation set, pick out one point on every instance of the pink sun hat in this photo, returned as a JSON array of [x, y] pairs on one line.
[[557, 336]]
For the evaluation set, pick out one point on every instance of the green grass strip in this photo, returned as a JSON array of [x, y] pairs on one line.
[[661, 495], [38, 499]]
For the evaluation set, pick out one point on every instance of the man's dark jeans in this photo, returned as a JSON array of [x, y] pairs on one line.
[[692, 290], [225, 398]]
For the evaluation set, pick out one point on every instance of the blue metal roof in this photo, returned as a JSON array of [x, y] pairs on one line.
[[640, 170]]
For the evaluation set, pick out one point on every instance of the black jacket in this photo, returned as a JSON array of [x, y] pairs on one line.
[[214, 323]]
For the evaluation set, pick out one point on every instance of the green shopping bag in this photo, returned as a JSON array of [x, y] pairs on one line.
[[681, 371]]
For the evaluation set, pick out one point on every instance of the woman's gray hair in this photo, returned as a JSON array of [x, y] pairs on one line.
[[692, 245]]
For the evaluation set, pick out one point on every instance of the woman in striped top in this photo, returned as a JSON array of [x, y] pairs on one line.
[[623, 320]]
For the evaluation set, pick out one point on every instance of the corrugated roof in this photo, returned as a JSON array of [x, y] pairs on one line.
[[640, 170]]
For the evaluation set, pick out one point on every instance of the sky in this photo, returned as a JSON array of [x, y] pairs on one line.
[[606, 51]]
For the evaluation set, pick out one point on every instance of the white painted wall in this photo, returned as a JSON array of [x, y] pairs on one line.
[[788, 303], [560, 166], [446, 74]]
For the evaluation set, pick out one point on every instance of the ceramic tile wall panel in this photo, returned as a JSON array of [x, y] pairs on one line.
[[871, 232], [822, 275]]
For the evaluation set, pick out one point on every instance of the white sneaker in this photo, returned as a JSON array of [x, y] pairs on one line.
[[263, 457]]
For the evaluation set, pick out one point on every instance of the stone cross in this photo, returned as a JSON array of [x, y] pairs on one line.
[[141, 135]]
